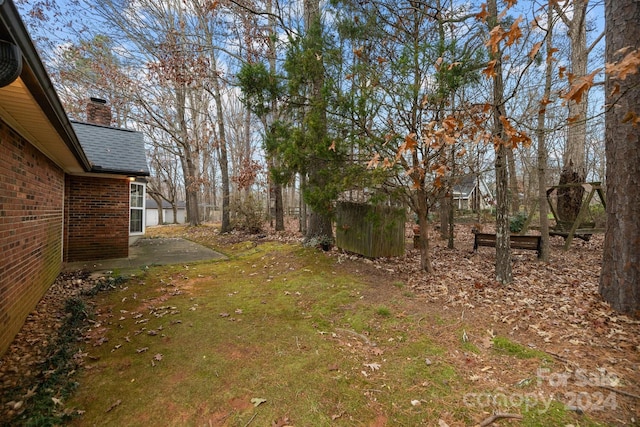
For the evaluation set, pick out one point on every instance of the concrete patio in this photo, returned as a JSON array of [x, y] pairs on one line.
[[146, 252]]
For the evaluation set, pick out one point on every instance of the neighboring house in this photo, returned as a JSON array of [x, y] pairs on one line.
[[472, 194], [62, 198], [152, 217]]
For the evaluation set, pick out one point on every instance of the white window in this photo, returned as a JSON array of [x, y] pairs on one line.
[[136, 206]]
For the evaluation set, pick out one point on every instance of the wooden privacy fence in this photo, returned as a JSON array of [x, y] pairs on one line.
[[372, 231]]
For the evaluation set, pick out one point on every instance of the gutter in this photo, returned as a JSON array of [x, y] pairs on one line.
[[100, 169], [38, 82]]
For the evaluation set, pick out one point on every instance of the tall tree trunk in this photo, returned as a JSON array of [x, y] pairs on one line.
[[303, 205], [620, 276], [245, 156], [448, 200], [543, 209], [503, 271], [423, 221], [213, 199], [275, 186], [174, 209], [156, 198], [445, 208], [191, 188], [573, 169], [451, 232], [222, 149], [208, 174], [277, 189], [514, 188], [451, 212], [503, 244], [189, 168], [219, 131], [319, 222]]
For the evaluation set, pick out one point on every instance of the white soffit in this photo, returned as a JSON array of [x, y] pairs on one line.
[[20, 110]]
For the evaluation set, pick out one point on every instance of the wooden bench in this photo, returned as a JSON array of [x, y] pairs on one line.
[[584, 231], [533, 243]]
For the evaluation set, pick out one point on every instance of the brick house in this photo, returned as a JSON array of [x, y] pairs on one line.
[[69, 191], [105, 208]]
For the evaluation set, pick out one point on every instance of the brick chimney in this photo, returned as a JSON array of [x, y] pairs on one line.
[[98, 112]]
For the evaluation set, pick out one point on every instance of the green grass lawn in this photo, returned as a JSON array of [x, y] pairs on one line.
[[276, 335]]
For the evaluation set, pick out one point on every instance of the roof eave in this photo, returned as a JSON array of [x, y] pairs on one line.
[[38, 82], [101, 170]]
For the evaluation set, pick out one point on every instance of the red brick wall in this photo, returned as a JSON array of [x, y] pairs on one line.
[[31, 221], [97, 218], [98, 112]]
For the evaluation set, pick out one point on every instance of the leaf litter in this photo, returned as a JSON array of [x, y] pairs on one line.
[[552, 307]]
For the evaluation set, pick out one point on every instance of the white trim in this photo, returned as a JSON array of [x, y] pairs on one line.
[[142, 209]]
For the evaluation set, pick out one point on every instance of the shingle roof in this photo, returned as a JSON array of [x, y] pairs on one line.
[[465, 185], [112, 150]]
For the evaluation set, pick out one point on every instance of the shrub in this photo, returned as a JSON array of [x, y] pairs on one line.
[[516, 223], [599, 215], [247, 214]]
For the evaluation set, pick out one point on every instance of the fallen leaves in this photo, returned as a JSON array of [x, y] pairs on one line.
[[376, 351], [282, 422], [22, 364], [557, 302], [373, 366], [15, 405], [156, 358], [553, 306], [257, 401]]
